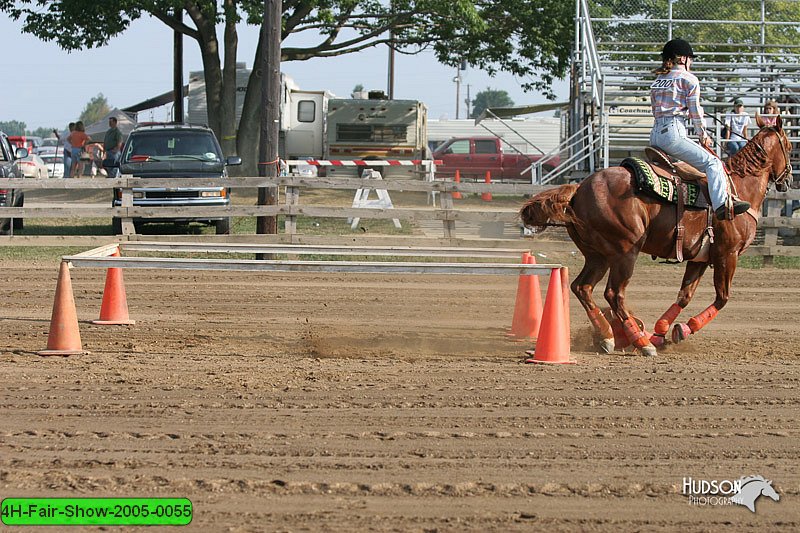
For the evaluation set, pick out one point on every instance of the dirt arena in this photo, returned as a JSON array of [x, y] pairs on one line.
[[296, 402]]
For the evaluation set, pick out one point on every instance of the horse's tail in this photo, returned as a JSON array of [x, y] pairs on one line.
[[548, 207]]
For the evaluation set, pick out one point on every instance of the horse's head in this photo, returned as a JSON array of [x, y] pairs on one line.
[[768, 491], [774, 142]]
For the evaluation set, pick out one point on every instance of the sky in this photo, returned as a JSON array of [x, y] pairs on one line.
[[45, 86]]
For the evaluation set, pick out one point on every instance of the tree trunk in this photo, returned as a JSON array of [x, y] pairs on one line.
[[228, 95], [209, 51], [249, 136]]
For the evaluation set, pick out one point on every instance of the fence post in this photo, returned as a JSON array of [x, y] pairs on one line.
[[771, 234], [446, 203], [292, 199], [127, 203]]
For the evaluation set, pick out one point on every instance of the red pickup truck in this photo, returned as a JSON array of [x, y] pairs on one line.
[[474, 156]]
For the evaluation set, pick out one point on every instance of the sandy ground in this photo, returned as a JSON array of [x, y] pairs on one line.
[[395, 403]]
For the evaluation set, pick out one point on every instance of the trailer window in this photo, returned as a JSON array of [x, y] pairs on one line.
[[371, 133], [485, 147], [306, 110]]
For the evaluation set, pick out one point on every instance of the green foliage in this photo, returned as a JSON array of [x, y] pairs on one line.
[[95, 109], [490, 98], [12, 127], [42, 132]]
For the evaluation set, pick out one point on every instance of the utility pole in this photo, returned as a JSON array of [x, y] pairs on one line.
[[390, 81], [457, 79], [468, 102], [270, 112], [177, 70]]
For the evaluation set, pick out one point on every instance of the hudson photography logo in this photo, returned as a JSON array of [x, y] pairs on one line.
[[743, 491]]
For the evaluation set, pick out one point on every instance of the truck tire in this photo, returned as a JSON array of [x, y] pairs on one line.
[[18, 222], [223, 227]]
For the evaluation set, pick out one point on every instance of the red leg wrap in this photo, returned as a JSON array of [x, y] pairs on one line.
[[666, 320], [634, 334], [698, 322], [600, 324]]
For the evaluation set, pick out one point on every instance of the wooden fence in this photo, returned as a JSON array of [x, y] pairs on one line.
[[441, 207]]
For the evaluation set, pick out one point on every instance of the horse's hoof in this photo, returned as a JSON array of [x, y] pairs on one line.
[[649, 351], [657, 340], [680, 333], [607, 345]]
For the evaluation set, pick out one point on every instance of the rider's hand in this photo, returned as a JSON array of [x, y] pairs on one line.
[[705, 140]]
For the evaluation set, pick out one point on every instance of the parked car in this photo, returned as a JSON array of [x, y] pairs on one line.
[[26, 141], [32, 166], [473, 157], [9, 169], [55, 164], [175, 151]]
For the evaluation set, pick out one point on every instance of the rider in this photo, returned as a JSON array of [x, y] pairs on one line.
[[674, 98]]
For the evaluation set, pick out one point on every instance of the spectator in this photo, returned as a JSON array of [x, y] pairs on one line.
[[77, 139], [736, 124], [770, 116], [66, 147], [112, 144]]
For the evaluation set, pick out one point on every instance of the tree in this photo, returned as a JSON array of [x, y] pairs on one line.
[[529, 38], [13, 127], [357, 89], [42, 132], [95, 109], [490, 98]]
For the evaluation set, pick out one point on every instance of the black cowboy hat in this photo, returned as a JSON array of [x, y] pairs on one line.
[[677, 48]]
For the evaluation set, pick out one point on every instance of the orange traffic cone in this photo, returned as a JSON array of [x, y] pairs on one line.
[[565, 292], [487, 196], [552, 346], [528, 306], [64, 337], [114, 309], [457, 195]]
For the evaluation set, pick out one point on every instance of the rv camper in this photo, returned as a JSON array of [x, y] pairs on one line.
[[315, 125]]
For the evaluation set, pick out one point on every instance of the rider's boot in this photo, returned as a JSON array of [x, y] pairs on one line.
[[739, 207]]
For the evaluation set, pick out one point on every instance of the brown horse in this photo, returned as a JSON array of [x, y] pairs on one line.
[[611, 224]]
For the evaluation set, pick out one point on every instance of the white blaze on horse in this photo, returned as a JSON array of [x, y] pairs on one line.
[[611, 223]]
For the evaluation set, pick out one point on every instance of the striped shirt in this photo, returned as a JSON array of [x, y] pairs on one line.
[[677, 93]]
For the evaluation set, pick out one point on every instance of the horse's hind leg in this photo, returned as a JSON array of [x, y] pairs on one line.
[[621, 272], [691, 279], [583, 285]]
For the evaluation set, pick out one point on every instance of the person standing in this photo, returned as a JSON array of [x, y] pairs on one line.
[[78, 140], [736, 123], [66, 147], [675, 100], [770, 116], [112, 144]]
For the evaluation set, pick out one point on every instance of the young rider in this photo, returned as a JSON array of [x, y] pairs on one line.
[[675, 98]]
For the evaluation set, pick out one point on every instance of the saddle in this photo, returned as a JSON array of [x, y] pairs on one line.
[[687, 189]]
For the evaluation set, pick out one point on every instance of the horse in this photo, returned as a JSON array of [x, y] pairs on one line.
[[751, 488], [611, 225]]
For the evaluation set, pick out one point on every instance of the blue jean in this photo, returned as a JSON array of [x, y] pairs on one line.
[[735, 146], [67, 162], [670, 135]]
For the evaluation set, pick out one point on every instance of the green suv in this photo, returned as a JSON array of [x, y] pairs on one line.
[[175, 151]]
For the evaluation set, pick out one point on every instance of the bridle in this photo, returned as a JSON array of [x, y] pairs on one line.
[[782, 179]]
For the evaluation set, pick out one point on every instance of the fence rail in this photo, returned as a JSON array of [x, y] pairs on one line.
[[445, 212]]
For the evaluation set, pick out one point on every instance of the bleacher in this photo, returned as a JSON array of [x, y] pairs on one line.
[[746, 49]]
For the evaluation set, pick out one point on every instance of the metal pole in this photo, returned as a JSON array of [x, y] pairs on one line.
[[177, 70], [390, 81], [270, 114], [457, 79]]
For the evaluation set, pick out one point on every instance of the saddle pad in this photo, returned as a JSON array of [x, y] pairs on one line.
[[648, 182]]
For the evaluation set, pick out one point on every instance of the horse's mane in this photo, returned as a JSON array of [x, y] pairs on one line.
[[749, 160], [748, 479]]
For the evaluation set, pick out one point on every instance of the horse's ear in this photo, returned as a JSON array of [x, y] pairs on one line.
[[759, 120], [778, 123]]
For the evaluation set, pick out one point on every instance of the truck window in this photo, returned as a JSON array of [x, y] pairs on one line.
[[306, 110], [459, 147], [371, 133], [486, 146]]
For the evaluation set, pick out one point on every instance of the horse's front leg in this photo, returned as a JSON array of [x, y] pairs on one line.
[[724, 269], [691, 279], [593, 271], [618, 278]]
